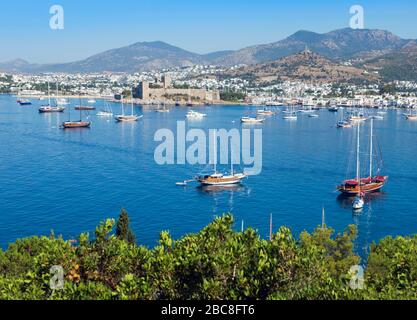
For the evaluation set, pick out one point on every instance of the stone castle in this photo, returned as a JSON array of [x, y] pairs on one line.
[[165, 90]]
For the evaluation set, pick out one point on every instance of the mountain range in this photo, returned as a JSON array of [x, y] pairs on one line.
[[378, 49]]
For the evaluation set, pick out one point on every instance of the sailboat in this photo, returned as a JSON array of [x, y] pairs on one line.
[[128, 118], [357, 117], [344, 123], [49, 108], [411, 116], [290, 114], [163, 109], [76, 124], [84, 108], [60, 101], [360, 185], [219, 179], [265, 112], [107, 112]]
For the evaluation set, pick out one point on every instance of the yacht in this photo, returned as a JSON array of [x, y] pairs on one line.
[[251, 120], [195, 115]]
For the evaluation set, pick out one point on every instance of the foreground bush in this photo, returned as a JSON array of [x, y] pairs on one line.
[[216, 263]]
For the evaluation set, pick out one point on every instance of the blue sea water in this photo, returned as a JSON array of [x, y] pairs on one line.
[[70, 180]]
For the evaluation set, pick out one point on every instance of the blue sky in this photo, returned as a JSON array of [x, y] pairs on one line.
[[92, 26]]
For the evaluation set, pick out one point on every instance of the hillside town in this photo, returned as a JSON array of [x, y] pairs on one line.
[[190, 84]]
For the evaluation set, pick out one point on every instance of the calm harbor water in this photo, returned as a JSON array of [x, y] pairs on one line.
[[69, 181]]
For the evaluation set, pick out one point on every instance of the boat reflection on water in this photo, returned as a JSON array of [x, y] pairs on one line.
[[346, 201], [223, 197], [219, 189]]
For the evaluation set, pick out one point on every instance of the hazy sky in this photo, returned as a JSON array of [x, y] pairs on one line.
[[92, 26]]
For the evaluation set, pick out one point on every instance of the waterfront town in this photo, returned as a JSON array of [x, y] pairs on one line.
[[201, 84]]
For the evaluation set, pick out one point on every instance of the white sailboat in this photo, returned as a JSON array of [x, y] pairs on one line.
[[128, 118], [49, 108], [290, 114], [163, 109], [411, 116], [107, 112]]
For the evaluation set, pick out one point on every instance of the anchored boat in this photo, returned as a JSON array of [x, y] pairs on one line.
[[251, 120], [76, 124], [49, 108], [219, 179], [360, 185], [128, 118], [195, 115]]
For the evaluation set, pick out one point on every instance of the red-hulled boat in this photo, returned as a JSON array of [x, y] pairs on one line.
[[367, 185], [76, 124], [360, 185], [84, 108]]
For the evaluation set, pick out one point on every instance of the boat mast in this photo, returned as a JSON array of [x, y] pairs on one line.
[[371, 151], [123, 107], [80, 107], [215, 151], [49, 95], [231, 158], [131, 92], [358, 162]]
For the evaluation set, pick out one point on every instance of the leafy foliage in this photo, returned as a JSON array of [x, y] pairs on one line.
[[216, 263]]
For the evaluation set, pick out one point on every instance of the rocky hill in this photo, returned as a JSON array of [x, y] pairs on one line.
[[303, 66]]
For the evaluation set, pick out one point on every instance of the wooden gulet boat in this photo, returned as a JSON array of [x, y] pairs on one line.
[[360, 185], [218, 179], [76, 124]]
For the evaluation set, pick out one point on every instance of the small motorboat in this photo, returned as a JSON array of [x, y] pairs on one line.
[[104, 114], [313, 115], [195, 115], [377, 117], [24, 102], [359, 202], [252, 120], [344, 124]]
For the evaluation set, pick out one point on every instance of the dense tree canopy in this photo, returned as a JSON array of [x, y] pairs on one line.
[[216, 263]]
